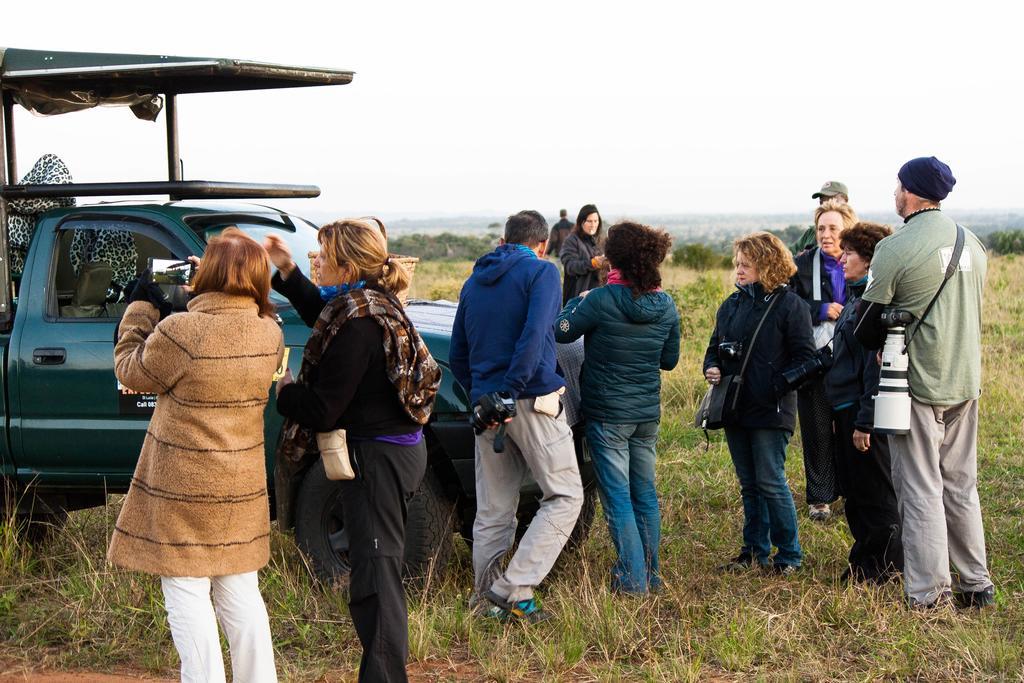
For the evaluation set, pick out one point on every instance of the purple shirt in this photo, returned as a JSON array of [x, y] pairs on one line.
[[410, 439], [835, 274]]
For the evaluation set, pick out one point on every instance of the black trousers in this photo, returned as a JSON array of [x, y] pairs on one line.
[[819, 443], [375, 506], [871, 512]]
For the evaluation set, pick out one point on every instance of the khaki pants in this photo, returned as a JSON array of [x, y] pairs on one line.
[[935, 474], [537, 445]]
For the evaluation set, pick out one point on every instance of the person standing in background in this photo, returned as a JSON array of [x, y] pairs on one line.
[[831, 190], [819, 281], [582, 254], [863, 464], [559, 232]]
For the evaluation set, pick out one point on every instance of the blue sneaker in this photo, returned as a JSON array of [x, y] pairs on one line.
[[527, 611]]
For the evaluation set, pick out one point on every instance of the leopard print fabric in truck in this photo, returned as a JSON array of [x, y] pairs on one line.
[[22, 213]]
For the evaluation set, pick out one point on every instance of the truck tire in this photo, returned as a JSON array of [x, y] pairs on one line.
[[33, 519], [320, 529]]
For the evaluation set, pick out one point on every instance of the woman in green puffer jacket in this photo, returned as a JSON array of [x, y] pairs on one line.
[[631, 333]]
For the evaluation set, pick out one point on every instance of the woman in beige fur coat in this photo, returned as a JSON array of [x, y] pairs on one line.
[[197, 513]]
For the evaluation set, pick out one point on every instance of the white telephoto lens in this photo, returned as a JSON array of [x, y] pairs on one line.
[[892, 403]]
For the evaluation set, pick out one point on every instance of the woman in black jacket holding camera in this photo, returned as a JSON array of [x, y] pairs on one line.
[[862, 460], [759, 430]]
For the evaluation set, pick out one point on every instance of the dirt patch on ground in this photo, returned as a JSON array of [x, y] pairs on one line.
[[419, 672], [28, 676]]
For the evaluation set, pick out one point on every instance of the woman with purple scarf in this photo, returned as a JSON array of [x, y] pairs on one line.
[[820, 282]]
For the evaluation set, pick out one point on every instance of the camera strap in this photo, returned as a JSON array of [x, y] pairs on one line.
[[951, 268], [750, 348]]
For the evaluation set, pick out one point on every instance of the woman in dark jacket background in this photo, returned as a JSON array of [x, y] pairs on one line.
[[825, 296], [365, 370], [582, 254], [862, 461], [631, 333], [760, 430]]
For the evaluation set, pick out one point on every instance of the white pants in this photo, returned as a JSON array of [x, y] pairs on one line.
[[243, 616]]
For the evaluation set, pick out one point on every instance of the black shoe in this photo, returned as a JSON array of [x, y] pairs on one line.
[[986, 597], [740, 563]]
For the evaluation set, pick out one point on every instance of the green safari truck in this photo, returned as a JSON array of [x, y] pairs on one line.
[[69, 433]]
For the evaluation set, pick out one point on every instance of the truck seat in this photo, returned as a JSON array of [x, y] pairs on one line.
[[90, 292]]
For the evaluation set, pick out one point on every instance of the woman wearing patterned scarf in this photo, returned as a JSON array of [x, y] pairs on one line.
[[366, 370]]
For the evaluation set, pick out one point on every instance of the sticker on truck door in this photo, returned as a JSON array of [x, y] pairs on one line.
[[131, 402]]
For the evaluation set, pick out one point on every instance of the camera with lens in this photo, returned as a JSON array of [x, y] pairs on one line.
[[730, 350], [895, 317], [892, 403], [812, 368], [497, 407]]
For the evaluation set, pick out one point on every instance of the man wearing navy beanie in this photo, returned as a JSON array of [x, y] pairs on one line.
[[934, 466]]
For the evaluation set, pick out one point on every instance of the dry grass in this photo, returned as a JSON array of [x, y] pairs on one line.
[[60, 605]]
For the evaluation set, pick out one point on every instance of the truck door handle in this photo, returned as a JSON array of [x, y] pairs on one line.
[[49, 356]]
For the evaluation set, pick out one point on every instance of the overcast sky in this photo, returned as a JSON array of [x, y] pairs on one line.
[[487, 108]]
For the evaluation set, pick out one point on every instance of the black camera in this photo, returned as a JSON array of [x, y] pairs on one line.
[[895, 317], [730, 350], [496, 407], [798, 375]]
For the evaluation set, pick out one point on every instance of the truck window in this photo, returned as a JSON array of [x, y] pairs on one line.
[[98, 261]]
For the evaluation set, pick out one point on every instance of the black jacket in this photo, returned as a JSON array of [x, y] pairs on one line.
[[803, 284], [785, 340], [853, 377], [576, 254], [559, 232], [350, 388]]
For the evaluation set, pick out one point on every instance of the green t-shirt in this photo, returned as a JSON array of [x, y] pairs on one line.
[[906, 271]]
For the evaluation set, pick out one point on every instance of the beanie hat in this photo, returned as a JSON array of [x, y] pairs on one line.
[[927, 177]]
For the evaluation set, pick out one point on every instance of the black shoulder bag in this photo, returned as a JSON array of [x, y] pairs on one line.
[[719, 404]]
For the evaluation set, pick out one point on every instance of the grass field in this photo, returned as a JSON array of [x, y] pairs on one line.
[[61, 607]]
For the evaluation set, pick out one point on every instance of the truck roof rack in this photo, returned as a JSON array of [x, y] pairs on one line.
[[177, 189]]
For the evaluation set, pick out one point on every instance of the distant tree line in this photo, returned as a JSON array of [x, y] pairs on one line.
[[444, 247], [1006, 241]]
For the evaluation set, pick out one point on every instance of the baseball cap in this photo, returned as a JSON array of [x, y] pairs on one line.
[[830, 189]]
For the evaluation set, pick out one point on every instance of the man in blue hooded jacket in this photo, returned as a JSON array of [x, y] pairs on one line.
[[503, 354]]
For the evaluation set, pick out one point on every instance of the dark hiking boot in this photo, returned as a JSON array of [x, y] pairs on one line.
[[986, 597]]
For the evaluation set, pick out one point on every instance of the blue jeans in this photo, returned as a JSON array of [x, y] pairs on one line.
[[769, 515], [623, 456]]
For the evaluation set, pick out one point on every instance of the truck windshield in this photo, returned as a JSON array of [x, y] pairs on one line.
[[298, 233]]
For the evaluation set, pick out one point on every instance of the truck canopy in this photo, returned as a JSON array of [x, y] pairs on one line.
[[50, 82]]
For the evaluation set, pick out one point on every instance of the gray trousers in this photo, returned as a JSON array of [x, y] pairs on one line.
[[537, 445], [935, 474]]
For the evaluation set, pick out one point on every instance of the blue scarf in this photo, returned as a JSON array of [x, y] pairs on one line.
[[330, 291]]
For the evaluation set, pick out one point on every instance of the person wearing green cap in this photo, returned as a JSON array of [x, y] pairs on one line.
[[830, 190]]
